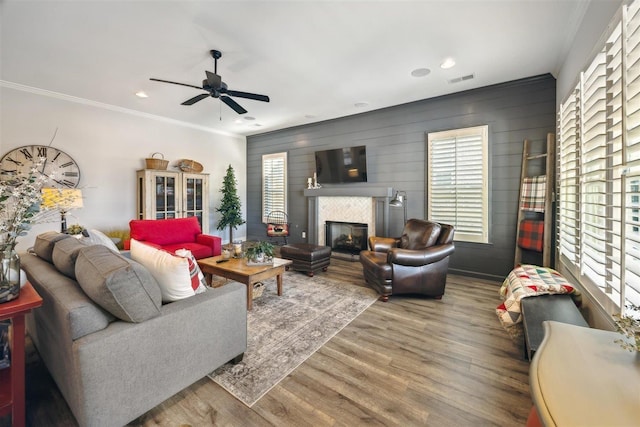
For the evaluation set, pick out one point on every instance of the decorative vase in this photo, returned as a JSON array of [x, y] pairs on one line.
[[9, 274]]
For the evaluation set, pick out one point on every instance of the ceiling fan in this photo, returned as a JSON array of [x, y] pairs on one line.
[[216, 88]]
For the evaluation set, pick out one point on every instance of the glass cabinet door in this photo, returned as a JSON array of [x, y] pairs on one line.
[[194, 200], [165, 197]]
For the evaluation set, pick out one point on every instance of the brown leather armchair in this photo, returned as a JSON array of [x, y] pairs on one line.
[[415, 263]]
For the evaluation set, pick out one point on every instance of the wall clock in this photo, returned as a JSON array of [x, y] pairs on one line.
[[57, 164]]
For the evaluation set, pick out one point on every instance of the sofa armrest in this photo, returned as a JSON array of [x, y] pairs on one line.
[[213, 242], [416, 258], [382, 244]]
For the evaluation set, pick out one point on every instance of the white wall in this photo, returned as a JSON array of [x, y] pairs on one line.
[[109, 146]]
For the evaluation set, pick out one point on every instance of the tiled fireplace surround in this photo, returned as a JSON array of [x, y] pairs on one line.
[[349, 203]]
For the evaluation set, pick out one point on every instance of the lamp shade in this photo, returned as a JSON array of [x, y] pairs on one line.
[[397, 201], [62, 199]]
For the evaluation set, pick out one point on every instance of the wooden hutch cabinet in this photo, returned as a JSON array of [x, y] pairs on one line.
[[169, 194]]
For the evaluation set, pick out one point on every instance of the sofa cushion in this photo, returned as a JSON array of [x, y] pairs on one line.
[[96, 237], [64, 300], [165, 231], [171, 272], [122, 287], [43, 246], [199, 251], [64, 256]]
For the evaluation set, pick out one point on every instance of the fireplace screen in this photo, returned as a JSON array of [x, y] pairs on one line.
[[347, 237]]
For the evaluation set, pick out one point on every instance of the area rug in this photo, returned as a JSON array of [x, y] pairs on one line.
[[283, 331]]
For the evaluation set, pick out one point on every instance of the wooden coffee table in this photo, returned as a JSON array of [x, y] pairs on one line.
[[238, 270]]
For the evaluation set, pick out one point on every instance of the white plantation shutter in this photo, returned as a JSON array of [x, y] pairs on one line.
[[569, 180], [599, 128], [457, 181], [274, 183], [593, 170]]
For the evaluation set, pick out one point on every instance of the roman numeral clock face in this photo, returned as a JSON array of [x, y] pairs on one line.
[[57, 165]]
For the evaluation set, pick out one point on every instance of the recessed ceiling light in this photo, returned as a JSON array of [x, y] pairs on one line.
[[249, 118], [309, 116], [257, 124], [361, 104], [447, 63], [141, 94], [420, 72], [238, 121]]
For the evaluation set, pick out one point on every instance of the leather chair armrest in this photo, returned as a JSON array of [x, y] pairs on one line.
[[416, 258], [382, 244], [213, 242]]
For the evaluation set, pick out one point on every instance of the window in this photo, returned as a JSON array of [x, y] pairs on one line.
[[274, 183], [599, 169], [457, 181]]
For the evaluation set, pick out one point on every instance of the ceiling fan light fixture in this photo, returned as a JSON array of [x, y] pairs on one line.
[[421, 72]]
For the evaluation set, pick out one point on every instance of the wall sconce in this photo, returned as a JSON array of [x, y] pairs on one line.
[[63, 200], [400, 200]]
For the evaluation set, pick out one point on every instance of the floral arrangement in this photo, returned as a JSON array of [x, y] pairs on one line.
[[629, 326], [260, 252], [75, 229], [20, 205]]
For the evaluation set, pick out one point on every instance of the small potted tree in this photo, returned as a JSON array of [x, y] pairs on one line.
[[230, 207]]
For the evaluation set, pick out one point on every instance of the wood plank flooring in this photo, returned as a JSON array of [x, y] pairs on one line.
[[407, 362]]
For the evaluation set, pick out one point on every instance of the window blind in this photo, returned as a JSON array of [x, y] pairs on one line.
[[599, 167], [457, 182], [274, 183]]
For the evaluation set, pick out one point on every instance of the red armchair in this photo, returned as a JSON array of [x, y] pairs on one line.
[[176, 233]]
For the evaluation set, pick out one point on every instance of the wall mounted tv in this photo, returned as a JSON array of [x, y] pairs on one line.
[[342, 165]]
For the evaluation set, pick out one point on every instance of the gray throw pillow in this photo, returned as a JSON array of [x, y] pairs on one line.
[[45, 242], [64, 255], [121, 286]]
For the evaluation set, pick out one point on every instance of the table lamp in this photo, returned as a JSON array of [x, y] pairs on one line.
[[63, 200]]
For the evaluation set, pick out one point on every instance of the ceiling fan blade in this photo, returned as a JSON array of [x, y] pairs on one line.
[[195, 99], [255, 96], [233, 104], [213, 80], [175, 83]]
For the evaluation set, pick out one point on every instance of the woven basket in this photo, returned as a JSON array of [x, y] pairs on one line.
[[258, 289], [153, 163]]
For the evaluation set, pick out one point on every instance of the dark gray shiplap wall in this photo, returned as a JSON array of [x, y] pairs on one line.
[[396, 148]]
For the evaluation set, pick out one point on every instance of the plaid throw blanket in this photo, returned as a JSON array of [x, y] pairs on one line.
[[531, 236], [527, 281], [534, 190]]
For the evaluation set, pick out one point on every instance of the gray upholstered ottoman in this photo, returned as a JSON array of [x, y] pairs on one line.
[[307, 257]]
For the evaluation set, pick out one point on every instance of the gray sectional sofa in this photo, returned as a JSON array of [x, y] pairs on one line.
[[114, 350]]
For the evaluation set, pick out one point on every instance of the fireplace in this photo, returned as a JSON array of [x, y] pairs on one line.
[[346, 237]]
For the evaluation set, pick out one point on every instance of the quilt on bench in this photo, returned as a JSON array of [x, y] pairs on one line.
[[526, 281]]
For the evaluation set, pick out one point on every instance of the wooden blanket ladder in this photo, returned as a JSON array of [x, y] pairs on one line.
[[538, 168]]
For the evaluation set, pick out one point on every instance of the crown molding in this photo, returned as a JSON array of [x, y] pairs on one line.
[[83, 101]]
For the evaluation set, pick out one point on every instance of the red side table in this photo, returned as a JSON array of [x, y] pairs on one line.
[[12, 378]]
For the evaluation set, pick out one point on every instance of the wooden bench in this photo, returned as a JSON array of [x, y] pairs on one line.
[[535, 310]]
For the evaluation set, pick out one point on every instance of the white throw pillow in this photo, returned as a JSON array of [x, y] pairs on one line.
[[171, 272], [198, 282], [99, 238]]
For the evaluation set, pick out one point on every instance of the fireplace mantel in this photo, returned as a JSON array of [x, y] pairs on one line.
[[380, 197], [350, 191]]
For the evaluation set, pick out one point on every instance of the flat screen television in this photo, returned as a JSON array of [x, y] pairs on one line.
[[342, 165]]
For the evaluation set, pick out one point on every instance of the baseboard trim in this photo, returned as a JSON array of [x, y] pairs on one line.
[[477, 275]]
